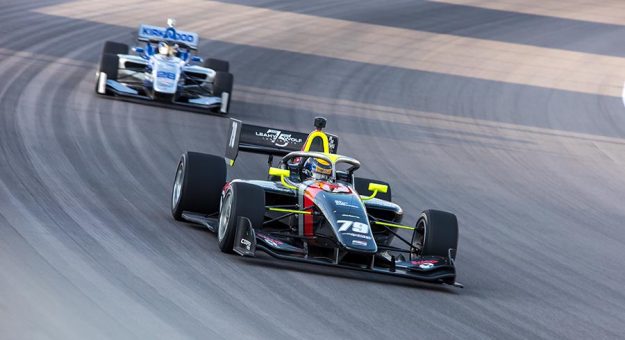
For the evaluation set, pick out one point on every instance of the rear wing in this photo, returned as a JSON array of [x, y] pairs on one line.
[[270, 141], [149, 33]]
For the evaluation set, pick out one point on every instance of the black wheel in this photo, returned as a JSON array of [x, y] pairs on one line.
[[109, 64], [222, 83], [222, 87], [362, 187], [436, 232], [240, 199], [112, 47], [163, 97], [198, 184], [217, 65]]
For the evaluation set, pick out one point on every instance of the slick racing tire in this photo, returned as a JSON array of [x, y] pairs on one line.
[[198, 184], [361, 185], [109, 63], [222, 84], [435, 234], [217, 65], [240, 199], [112, 47]]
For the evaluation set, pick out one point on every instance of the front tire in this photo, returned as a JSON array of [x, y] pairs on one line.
[[217, 65], [109, 62], [240, 200], [436, 232], [197, 186], [112, 47], [222, 84]]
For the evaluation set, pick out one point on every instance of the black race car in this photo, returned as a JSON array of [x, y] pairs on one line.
[[328, 217]]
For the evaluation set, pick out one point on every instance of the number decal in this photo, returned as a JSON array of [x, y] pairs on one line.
[[357, 227], [345, 225]]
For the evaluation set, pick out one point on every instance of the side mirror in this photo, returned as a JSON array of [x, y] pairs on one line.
[[378, 187], [283, 173], [197, 59], [279, 172], [375, 188], [138, 50]]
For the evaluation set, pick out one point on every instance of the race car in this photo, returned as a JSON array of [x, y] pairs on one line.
[[165, 71], [311, 208]]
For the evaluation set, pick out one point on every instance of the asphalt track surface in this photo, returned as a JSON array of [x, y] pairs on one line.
[[535, 174]]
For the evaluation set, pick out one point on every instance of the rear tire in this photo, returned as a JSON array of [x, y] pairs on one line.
[[240, 199], [436, 232], [197, 186], [361, 185], [217, 65]]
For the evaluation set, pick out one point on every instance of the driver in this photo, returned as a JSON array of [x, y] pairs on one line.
[[318, 169], [166, 50]]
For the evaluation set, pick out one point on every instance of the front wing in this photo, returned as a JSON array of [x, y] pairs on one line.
[[123, 92], [432, 269]]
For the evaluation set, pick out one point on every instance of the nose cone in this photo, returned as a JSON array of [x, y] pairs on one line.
[[348, 218]]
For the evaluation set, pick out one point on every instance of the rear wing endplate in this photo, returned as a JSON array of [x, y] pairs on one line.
[[270, 141]]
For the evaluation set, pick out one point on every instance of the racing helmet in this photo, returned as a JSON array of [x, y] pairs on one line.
[[317, 168], [163, 48]]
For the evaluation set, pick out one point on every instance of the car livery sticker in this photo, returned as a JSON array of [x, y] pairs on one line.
[[149, 32]]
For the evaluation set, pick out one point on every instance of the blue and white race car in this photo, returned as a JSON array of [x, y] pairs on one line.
[[165, 71]]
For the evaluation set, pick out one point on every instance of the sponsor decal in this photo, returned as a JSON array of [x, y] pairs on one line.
[[278, 138], [246, 243], [424, 264], [341, 203], [171, 34], [331, 142], [366, 237], [344, 204], [271, 241], [359, 243], [352, 216]]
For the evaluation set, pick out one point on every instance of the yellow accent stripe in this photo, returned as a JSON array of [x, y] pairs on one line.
[[393, 225], [290, 211]]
